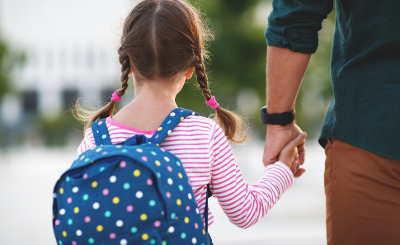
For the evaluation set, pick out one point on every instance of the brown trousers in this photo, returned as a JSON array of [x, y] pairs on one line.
[[362, 196]]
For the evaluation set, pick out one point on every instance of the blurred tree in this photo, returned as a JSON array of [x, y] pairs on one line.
[[238, 62]]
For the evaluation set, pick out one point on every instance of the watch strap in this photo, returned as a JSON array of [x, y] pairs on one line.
[[278, 118]]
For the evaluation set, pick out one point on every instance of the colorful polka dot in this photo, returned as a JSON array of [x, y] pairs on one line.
[[173, 215], [182, 118], [113, 179], [186, 220], [178, 202], [178, 163], [105, 192], [69, 200], [91, 240], [115, 200], [85, 176], [204, 232], [136, 173], [180, 175], [194, 240], [196, 226], [122, 164], [159, 129], [62, 211], [139, 194], [107, 213], [183, 235], [94, 184], [172, 114], [75, 189], [129, 208], [139, 150], [152, 203], [169, 168], [61, 191], [187, 208], [99, 228], [168, 194], [166, 159], [157, 163], [82, 157], [67, 178], [104, 136], [180, 187], [152, 241], [70, 221], [157, 223], [85, 197], [145, 237], [169, 132], [79, 233], [158, 175], [153, 153], [112, 236], [100, 123], [134, 229], [64, 233], [144, 158], [102, 168], [123, 242], [143, 217], [98, 149], [124, 150], [126, 186], [190, 196], [96, 205], [57, 222], [74, 243], [170, 181], [149, 182], [119, 223], [171, 229], [87, 219]]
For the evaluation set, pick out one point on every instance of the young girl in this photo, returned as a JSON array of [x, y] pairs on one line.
[[161, 46]]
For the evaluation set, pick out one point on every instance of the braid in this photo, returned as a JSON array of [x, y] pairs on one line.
[[125, 70], [202, 77]]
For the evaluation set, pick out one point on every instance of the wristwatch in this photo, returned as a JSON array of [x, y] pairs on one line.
[[277, 119]]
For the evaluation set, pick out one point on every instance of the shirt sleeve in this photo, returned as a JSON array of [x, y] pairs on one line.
[[294, 24], [87, 142], [243, 204]]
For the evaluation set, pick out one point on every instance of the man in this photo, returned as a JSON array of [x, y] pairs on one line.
[[360, 132]]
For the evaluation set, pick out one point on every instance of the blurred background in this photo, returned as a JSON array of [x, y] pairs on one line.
[[53, 52]]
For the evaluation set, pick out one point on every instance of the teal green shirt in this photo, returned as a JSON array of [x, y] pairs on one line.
[[365, 66]]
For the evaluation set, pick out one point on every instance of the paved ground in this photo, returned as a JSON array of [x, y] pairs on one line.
[[27, 177]]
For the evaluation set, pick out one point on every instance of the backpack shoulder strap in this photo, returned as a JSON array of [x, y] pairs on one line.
[[100, 132], [172, 120]]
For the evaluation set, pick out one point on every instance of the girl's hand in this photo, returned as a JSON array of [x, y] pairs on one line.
[[289, 154]]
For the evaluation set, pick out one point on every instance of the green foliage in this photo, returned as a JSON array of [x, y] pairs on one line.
[[8, 60]]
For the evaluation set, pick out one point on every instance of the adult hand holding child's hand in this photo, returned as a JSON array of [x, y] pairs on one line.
[[289, 154]]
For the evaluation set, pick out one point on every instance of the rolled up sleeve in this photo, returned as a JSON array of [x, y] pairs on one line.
[[294, 24]]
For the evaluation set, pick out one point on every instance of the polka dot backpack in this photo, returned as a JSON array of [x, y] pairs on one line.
[[131, 193]]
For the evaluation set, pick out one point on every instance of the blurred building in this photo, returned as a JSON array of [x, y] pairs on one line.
[[71, 51]]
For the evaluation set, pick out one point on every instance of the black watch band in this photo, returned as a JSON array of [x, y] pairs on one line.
[[277, 119]]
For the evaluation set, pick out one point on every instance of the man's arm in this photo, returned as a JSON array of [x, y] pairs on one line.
[[285, 71]]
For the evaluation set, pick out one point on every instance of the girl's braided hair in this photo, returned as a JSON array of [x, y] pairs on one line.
[[162, 38]]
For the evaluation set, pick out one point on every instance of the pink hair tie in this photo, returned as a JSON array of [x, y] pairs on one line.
[[115, 97], [212, 102]]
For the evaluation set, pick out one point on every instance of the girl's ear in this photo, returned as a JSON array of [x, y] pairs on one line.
[[189, 72]]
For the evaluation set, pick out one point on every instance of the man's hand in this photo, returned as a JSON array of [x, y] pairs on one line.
[[277, 137]]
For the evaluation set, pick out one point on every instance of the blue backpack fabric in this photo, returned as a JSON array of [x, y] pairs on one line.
[[131, 193]]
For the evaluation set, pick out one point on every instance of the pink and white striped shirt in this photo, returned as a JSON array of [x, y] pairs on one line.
[[207, 157]]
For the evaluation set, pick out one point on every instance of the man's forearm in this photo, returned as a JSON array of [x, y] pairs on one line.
[[285, 71]]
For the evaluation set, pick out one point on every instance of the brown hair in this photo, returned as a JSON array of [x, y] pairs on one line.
[[160, 39]]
